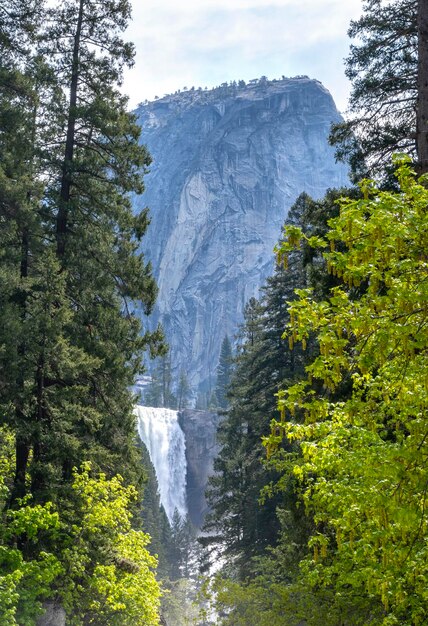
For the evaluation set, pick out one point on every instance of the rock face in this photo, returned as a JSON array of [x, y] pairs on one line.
[[227, 166], [54, 615], [200, 430]]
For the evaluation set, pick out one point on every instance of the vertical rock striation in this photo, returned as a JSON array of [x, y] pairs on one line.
[[227, 166]]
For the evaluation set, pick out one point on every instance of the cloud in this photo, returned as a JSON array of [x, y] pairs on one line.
[[206, 42]]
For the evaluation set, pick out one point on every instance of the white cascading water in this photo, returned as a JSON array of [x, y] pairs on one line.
[[160, 431]]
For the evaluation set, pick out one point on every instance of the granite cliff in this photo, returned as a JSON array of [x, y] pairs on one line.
[[200, 432], [227, 165]]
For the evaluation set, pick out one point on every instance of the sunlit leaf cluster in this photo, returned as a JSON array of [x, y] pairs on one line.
[[91, 557]]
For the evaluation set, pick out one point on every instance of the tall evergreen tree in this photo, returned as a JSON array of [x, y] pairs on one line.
[[422, 87], [225, 523], [76, 263], [382, 67], [159, 392], [243, 526], [22, 256], [183, 391], [224, 372]]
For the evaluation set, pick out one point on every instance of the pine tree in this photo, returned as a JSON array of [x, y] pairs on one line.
[[22, 257], [70, 347], [159, 393], [242, 525], [224, 371], [153, 391], [183, 391], [74, 264], [382, 67], [183, 547]]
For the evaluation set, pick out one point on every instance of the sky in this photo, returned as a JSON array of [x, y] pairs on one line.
[[185, 43]]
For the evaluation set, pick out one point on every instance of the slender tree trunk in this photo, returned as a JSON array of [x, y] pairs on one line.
[[22, 447], [22, 441], [422, 102], [40, 417], [67, 166]]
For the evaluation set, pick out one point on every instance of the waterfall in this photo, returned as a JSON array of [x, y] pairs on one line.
[[160, 431]]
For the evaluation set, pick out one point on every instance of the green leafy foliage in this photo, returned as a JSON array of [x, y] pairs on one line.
[[363, 467], [26, 577], [90, 557], [109, 571]]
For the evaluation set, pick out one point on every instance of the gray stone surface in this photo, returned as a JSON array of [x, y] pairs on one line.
[[54, 615], [227, 166], [200, 430]]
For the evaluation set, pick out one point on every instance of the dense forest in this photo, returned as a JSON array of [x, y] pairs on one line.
[[326, 522], [319, 503], [71, 474]]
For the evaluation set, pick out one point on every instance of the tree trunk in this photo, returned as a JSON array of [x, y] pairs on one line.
[[67, 166], [38, 482], [22, 446], [422, 102]]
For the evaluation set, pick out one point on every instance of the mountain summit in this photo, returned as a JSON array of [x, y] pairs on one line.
[[227, 165]]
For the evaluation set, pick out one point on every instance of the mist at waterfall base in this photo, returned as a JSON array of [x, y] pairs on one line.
[[161, 433]]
